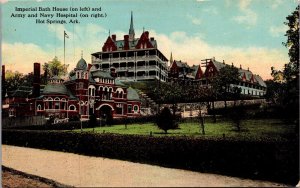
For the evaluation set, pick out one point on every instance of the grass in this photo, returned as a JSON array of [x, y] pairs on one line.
[[251, 129]]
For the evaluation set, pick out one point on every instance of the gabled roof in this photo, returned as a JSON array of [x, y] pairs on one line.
[[247, 73], [260, 80], [120, 44], [181, 64], [218, 64], [195, 70]]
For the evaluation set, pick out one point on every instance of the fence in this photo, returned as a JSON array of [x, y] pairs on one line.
[[9, 122]]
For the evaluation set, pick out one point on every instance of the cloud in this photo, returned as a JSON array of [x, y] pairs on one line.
[[277, 31], [23, 59], [192, 49], [248, 17], [276, 3], [194, 20], [183, 46]]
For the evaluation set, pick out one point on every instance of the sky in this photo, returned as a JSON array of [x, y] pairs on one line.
[[243, 32]]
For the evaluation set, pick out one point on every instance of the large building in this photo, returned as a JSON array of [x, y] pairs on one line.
[[250, 84], [83, 94], [134, 59]]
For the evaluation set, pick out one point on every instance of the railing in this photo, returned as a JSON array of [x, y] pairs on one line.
[[53, 110]]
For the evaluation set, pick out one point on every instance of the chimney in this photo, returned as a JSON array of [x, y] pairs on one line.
[[36, 79], [114, 37], [3, 82], [231, 64], [223, 61], [89, 66], [152, 38], [3, 74], [240, 66], [113, 72], [126, 42], [248, 68], [147, 34]]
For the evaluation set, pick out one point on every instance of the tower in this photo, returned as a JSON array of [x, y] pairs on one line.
[[131, 29]]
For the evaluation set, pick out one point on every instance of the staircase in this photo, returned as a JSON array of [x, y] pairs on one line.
[[148, 106]]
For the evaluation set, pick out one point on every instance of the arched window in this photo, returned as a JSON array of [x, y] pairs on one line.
[[77, 75], [92, 90], [121, 94], [39, 107], [72, 107]]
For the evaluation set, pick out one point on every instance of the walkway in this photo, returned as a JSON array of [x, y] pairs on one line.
[[78, 170]]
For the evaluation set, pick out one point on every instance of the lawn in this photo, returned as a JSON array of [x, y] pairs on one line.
[[253, 129]]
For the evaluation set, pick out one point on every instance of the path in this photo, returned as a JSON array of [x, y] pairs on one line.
[[78, 170]]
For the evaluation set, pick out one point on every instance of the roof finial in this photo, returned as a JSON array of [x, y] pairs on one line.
[[81, 53], [143, 29], [109, 32]]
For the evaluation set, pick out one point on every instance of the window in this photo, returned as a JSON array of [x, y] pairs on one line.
[[50, 103], [92, 90], [63, 105], [135, 108], [72, 107], [56, 105], [39, 107], [129, 108]]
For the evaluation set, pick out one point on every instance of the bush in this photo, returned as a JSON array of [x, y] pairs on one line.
[[165, 120], [261, 159]]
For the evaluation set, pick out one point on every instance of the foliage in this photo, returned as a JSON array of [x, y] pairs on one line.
[[260, 159], [165, 120], [13, 80], [275, 91], [291, 70], [53, 68], [222, 83]]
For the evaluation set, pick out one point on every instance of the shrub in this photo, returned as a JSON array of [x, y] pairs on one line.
[[260, 159], [165, 120]]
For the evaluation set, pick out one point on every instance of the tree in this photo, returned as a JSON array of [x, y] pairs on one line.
[[53, 68], [291, 69], [223, 83], [165, 120], [13, 80], [92, 121], [171, 92]]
